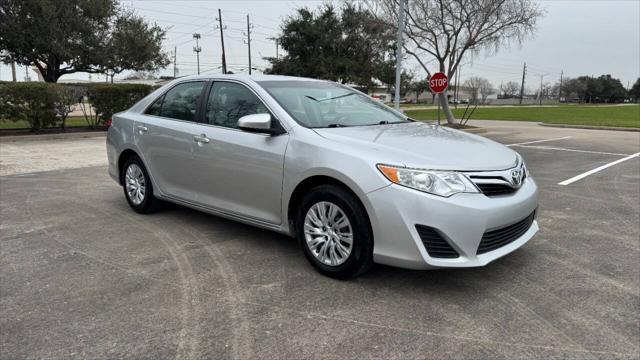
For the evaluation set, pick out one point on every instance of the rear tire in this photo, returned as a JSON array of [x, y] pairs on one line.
[[334, 232], [137, 186]]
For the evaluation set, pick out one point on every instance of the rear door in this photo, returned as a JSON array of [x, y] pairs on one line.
[[165, 136], [239, 172]]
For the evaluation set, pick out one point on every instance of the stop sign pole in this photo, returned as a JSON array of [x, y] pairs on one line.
[[438, 84]]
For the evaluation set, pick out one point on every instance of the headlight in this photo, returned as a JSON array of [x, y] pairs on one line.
[[442, 183], [526, 169]]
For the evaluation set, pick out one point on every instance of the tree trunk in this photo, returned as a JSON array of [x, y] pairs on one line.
[[50, 76], [445, 108]]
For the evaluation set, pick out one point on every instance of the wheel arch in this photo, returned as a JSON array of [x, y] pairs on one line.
[[309, 183], [122, 158]]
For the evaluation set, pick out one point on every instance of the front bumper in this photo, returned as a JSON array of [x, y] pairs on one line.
[[461, 219]]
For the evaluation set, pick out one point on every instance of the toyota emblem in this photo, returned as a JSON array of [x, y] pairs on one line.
[[516, 177]]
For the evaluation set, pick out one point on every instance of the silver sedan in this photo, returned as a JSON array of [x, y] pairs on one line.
[[354, 180]]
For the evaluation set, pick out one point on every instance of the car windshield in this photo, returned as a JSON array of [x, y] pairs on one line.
[[319, 104]]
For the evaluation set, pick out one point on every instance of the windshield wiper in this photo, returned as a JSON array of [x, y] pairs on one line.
[[335, 125], [387, 122], [331, 98]]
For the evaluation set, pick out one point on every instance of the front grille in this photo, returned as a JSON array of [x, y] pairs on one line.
[[436, 245], [496, 189], [494, 239], [496, 183]]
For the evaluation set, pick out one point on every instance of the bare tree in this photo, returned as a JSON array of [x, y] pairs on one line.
[[510, 89], [480, 88], [446, 30], [473, 85], [486, 89]]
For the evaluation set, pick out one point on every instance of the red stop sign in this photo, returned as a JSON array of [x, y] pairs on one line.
[[438, 83]]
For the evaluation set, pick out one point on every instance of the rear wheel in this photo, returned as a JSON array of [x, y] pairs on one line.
[[137, 186], [334, 232]]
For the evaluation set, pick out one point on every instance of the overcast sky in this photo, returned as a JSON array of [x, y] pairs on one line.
[[577, 37]]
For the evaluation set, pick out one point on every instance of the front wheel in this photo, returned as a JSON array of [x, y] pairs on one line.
[[334, 231]]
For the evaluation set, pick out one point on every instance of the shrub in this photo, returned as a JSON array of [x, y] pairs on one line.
[[29, 101], [67, 97], [108, 99], [45, 104]]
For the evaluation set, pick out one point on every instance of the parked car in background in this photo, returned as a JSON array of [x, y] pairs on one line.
[[355, 181]]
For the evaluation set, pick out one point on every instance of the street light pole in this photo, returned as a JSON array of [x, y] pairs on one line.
[[197, 50], [399, 53]]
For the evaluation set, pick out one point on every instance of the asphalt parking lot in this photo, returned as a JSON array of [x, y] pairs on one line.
[[82, 276]]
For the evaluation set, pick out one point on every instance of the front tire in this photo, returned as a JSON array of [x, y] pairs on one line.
[[137, 186], [333, 229]]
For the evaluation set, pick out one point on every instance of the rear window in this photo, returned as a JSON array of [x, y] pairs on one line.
[[181, 102]]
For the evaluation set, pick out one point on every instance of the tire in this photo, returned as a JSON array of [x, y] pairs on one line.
[[134, 170], [313, 232]]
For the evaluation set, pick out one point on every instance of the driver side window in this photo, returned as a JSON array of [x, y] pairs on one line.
[[228, 102]]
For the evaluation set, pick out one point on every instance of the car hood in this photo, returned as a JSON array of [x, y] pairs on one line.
[[423, 145]]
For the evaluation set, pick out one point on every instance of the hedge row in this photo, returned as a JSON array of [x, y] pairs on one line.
[[48, 105]]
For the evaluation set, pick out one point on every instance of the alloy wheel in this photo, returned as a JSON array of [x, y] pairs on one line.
[[135, 184], [328, 233]]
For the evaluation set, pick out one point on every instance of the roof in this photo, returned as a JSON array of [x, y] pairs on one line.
[[258, 77]]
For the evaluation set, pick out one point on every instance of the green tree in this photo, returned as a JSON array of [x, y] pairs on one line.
[[346, 45], [575, 88], [635, 90], [419, 86], [591, 89], [132, 45], [66, 36]]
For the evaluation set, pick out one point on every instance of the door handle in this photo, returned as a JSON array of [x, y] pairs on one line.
[[201, 139], [141, 129]]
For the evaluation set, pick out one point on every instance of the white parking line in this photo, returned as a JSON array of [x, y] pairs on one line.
[[574, 150], [590, 172], [538, 141]]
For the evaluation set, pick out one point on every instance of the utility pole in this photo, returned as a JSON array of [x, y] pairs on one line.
[[399, 53], [560, 88], [175, 55], [13, 71], [197, 50], [524, 72], [249, 42], [224, 61], [455, 93], [540, 94]]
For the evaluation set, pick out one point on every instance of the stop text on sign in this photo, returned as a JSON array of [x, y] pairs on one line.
[[438, 82]]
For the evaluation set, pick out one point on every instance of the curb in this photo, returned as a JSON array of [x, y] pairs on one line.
[[475, 130], [588, 127], [63, 136]]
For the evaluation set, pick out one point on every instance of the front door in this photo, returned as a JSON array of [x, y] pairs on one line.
[[238, 172]]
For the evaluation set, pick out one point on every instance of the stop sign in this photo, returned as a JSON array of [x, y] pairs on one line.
[[438, 83]]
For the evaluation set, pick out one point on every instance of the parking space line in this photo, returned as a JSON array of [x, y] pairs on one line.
[[538, 141], [574, 150], [600, 168]]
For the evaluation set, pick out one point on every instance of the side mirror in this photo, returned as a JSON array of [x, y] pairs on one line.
[[258, 123]]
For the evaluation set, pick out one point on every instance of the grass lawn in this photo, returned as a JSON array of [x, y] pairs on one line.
[[72, 121], [594, 115]]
